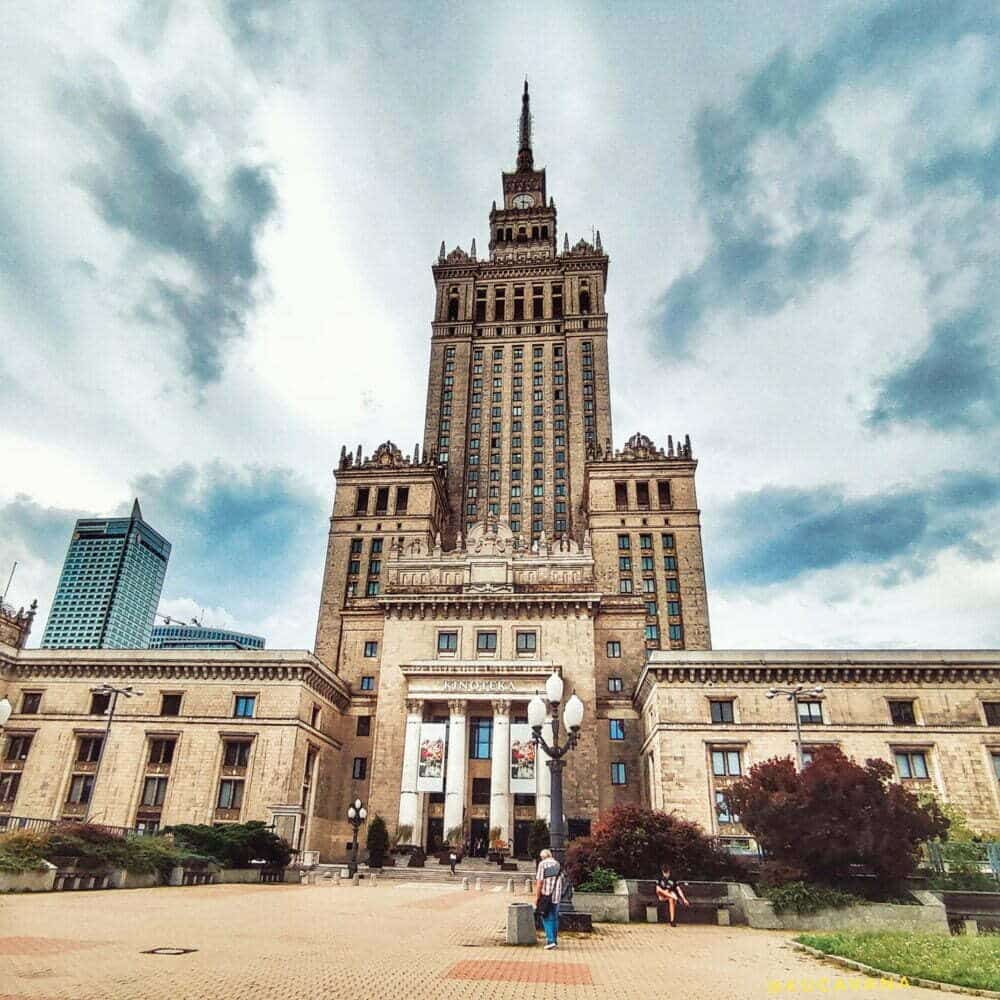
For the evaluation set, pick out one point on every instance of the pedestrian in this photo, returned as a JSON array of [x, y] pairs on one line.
[[548, 893], [669, 891], [452, 860]]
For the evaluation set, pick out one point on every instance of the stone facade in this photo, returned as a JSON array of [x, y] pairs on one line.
[[935, 715]]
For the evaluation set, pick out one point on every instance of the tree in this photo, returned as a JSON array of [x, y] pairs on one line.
[[538, 838], [833, 815], [377, 842], [233, 845], [634, 842]]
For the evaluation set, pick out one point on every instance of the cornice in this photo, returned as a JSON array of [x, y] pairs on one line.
[[489, 604]]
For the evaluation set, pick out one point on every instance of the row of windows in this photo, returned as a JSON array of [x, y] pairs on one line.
[[244, 705], [902, 712], [641, 495], [667, 541], [362, 500]]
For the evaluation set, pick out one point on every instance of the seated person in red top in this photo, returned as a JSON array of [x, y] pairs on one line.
[[668, 890]]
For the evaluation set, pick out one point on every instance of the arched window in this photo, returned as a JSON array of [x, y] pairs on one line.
[[545, 232], [453, 304], [534, 232], [522, 234], [585, 296], [510, 233], [500, 235]]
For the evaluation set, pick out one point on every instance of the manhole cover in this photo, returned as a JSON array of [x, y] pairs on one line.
[[169, 951]]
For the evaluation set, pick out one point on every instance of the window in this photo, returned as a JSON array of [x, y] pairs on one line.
[[621, 496], [527, 642], [361, 500], [230, 794], [359, 770], [371, 648], [642, 495], [447, 643], [154, 790], [624, 564], [382, 500], [672, 585], [646, 542], [31, 702], [235, 753], [372, 588], [367, 683], [402, 499], [652, 633], [670, 563], [99, 704], [8, 786], [245, 706], [364, 726], [356, 546], [996, 765], [314, 717], [614, 684], [89, 749], [673, 607], [667, 541], [992, 710], [618, 773], [675, 632], [726, 763], [486, 642], [625, 586], [616, 729], [722, 712], [80, 788], [480, 791], [481, 738], [161, 751], [912, 765], [170, 704], [902, 714], [811, 713], [623, 543], [647, 564], [663, 492], [723, 810], [614, 649]]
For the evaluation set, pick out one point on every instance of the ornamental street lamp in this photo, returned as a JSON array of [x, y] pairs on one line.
[[356, 815], [793, 696], [538, 712], [5, 709], [112, 692]]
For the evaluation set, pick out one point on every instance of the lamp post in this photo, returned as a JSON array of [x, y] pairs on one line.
[[356, 815], [109, 689], [5, 709], [793, 696], [538, 711]]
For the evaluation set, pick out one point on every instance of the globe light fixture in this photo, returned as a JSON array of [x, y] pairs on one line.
[[793, 695], [573, 713], [5, 709], [554, 688], [356, 815], [537, 712]]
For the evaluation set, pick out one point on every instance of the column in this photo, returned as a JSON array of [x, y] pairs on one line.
[[454, 789], [409, 799], [500, 770], [543, 778]]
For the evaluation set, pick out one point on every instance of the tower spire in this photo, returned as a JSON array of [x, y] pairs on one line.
[[525, 159]]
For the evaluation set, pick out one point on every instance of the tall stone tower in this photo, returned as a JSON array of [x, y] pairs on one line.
[[515, 542]]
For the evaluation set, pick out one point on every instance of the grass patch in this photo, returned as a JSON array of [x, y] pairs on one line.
[[962, 961]]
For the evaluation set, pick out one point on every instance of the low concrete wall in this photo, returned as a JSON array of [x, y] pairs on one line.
[[605, 907], [238, 875], [36, 881], [140, 880], [929, 917]]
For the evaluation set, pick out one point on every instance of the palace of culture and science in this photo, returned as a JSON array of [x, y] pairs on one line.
[[515, 540]]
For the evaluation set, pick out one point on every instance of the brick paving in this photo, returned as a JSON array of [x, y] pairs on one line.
[[256, 942]]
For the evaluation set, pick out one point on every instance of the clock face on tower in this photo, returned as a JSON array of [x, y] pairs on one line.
[[523, 201]]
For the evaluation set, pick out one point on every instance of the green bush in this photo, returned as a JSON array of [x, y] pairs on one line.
[[377, 842], [967, 880], [600, 880], [232, 845], [801, 897], [22, 851]]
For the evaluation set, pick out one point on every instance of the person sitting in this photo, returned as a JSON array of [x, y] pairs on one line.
[[668, 892]]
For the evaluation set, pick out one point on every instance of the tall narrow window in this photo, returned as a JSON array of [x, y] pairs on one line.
[[663, 493], [536, 301], [481, 304], [621, 496], [642, 495], [584, 296], [382, 500], [518, 302], [557, 301], [402, 499], [500, 304], [453, 304], [361, 500]]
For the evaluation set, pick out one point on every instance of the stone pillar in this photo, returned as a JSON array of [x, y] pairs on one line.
[[543, 778], [500, 770], [409, 799], [454, 789]]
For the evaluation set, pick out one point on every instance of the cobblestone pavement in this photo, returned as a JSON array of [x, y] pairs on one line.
[[271, 942]]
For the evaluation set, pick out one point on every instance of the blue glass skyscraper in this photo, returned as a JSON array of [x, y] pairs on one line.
[[110, 585]]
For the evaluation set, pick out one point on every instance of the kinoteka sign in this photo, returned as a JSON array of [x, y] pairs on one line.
[[488, 686]]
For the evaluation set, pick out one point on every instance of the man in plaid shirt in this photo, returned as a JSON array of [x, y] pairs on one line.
[[548, 893]]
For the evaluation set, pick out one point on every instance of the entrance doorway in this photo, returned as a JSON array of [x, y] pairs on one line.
[[522, 828], [435, 834], [479, 835]]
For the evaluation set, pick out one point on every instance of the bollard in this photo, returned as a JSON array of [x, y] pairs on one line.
[[479, 885], [527, 886], [465, 883], [971, 927], [373, 879], [520, 923], [356, 880], [510, 886]]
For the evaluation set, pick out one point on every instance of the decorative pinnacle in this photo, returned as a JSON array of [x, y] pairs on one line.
[[525, 159]]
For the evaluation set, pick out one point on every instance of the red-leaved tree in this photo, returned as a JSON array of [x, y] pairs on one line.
[[833, 815], [634, 842]]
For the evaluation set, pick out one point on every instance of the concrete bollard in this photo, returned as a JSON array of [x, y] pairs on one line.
[[971, 927], [373, 879], [479, 885], [527, 886], [356, 880], [465, 883], [521, 924], [652, 915], [722, 917], [510, 886]]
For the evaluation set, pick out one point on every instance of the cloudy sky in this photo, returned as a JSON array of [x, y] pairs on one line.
[[217, 220]]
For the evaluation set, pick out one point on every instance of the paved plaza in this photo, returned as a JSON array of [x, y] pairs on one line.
[[392, 940]]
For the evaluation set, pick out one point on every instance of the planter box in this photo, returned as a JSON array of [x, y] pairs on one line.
[[34, 881], [140, 880], [238, 875], [604, 907], [928, 916]]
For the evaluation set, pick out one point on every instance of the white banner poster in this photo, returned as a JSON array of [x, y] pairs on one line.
[[522, 759], [430, 763]]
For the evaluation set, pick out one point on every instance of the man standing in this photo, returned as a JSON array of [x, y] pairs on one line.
[[548, 893], [668, 890]]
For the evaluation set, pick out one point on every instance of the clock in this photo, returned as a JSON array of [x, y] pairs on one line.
[[523, 201]]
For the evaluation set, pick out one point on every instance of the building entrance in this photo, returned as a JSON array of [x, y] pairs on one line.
[[479, 837], [522, 828], [435, 834]]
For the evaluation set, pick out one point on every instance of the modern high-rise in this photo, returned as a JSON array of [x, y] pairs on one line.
[[110, 585], [199, 637]]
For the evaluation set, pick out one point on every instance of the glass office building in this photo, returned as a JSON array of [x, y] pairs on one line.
[[110, 585], [195, 637]]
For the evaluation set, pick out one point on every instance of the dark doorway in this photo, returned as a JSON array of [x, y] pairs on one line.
[[479, 835], [522, 827], [435, 834]]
